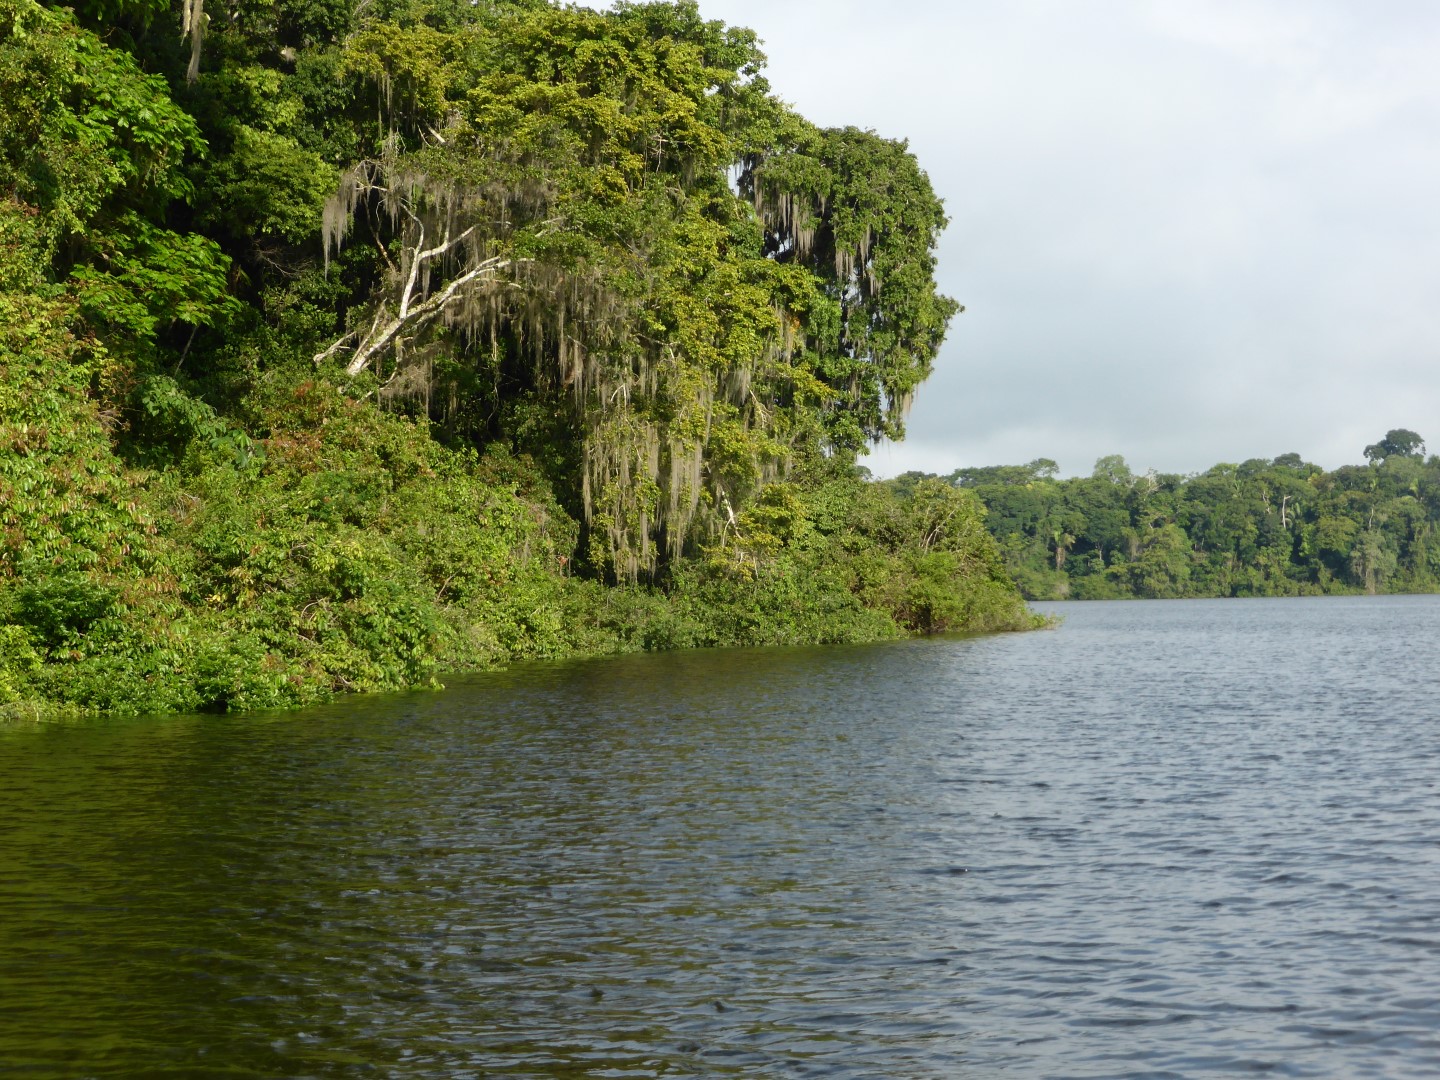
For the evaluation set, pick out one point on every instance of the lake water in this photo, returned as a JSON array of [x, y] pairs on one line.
[[1188, 838]]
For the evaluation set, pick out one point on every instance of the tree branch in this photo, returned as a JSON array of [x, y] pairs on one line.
[[380, 338]]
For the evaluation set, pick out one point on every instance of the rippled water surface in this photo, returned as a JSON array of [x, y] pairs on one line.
[[1185, 838]]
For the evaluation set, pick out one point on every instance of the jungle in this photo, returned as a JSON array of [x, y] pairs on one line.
[[344, 345]]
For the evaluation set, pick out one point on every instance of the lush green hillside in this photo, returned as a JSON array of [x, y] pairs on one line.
[[345, 344], [1260, 528]]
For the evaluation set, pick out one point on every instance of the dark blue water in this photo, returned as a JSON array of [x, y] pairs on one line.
[[1190, 838]]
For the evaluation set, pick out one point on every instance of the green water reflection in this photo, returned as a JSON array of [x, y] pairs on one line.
[[545, 872]]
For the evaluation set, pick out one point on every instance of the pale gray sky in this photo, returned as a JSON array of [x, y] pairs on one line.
[[1185, 231]]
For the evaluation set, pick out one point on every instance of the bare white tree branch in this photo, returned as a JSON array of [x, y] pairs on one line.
[[412, 317]]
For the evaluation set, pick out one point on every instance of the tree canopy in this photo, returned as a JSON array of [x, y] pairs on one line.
[[1398, 442], [1257, 528], [609, 216]]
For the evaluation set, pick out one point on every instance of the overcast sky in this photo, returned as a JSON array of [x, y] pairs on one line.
[[1184, 231]]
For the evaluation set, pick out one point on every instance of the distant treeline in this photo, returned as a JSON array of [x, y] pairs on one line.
[[1281, 527]]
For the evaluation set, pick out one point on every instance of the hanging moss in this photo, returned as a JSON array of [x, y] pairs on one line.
[[571, 227]]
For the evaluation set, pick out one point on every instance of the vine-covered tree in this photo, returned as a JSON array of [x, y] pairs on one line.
[[552, 198]]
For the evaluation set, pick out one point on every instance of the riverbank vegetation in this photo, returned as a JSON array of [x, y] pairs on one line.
[[1280, 527], [342, 345]]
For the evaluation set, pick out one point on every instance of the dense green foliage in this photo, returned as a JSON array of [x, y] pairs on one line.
[[1260, 528], [342, 345]]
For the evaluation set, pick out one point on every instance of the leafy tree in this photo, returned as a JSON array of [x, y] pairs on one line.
[[554, 187], [1398, 442], [96, 149], [1112, 467]]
